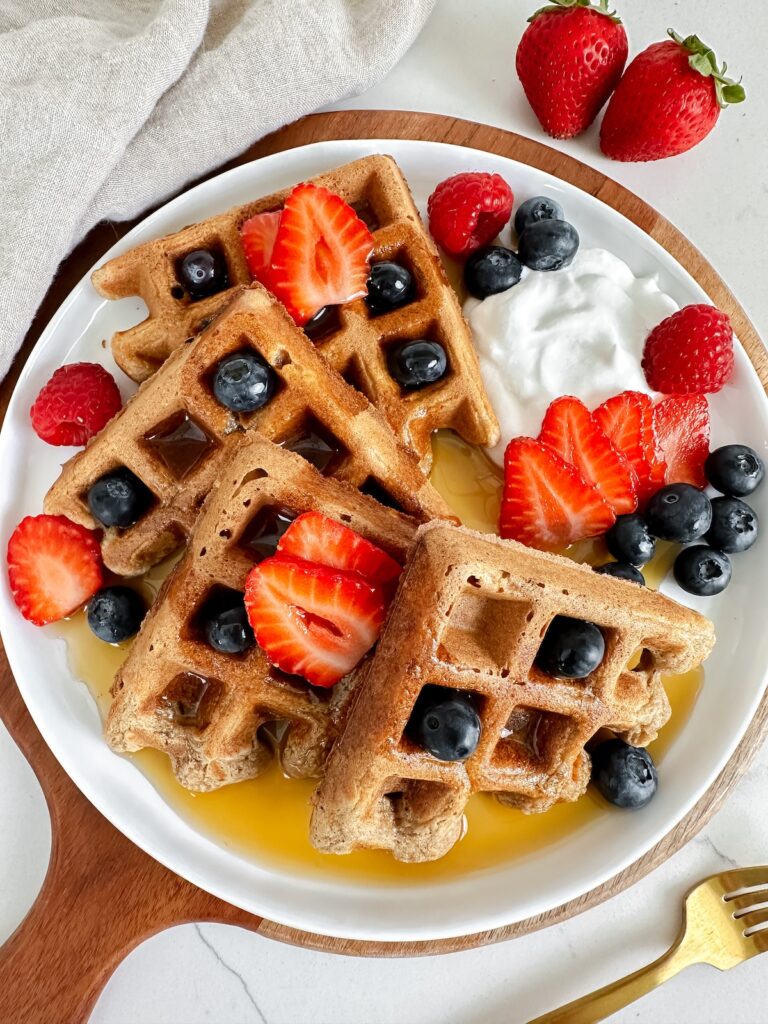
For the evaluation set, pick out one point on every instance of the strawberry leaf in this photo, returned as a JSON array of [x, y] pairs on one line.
[[733, 93], [563, 5], [702, 59], [701, 63]]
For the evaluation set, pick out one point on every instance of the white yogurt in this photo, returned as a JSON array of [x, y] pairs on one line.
[[578, 331]]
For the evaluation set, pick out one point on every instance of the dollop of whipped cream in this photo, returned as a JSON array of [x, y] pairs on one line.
[[578, 331]]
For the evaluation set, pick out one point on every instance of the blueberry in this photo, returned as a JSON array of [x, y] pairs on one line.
[[389, 286], [418, 363], [734, 469], [536, 209], [625, 775], [622, 571], [243, 382], [226, 624], [571, 648], [548, 245], [629, 540], [702, 571], [734, 525], [445, 723], [115, 613], [679, 512], [119, 498], [491, 270], [203, 273]]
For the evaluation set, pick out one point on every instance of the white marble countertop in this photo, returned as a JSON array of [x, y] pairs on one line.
[[463, 65]]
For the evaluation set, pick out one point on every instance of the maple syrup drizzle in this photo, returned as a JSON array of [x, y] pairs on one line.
[[267, 819], [261, 536], [318, 446], [180, 443], [323, 324]]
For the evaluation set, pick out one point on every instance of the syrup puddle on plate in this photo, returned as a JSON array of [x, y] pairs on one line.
[[267, 819]]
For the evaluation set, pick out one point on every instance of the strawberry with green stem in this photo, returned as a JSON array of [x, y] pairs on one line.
[[569, 61], [669, 99]]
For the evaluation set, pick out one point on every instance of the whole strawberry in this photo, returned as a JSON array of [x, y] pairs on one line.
[[668, 100], [569, 60], [690, 353]]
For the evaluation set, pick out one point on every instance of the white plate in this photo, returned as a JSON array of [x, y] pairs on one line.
[[67, 716]]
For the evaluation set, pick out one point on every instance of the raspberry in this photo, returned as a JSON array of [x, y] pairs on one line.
[[75, 404], [690, 353], [468, 210]]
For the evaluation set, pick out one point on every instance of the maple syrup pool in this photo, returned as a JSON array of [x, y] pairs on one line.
[[267, 819]]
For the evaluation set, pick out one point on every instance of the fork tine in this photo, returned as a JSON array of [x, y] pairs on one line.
[[738, 904], [754, 918], [743, 878]]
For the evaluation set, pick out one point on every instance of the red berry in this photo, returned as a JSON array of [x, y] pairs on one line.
[[468, 210], [627, 420], [316, 538], [311, 620], [691, 352], [75, 404], [574, 433], [546, 503], [321, 255], [54, 565], [569, 61], [681, 425], [668, 100], [258, 236]]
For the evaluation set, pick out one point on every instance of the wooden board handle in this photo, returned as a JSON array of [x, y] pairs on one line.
[[101, 897]]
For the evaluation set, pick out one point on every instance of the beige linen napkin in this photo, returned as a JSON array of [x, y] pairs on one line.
[[109, 106]]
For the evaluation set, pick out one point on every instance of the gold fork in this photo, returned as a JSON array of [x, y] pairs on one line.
[[721, 919]]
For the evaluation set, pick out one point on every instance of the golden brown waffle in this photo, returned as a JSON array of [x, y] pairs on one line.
[[355, 342], [205, 708], [470, 614], [312, 406]]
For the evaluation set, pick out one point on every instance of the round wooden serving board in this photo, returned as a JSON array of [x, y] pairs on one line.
[[103, 895]]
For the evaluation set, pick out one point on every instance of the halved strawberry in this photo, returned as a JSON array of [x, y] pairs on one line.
[[312, 620], [54, 565], [627, 420], [258, 236], [318, 538], [681, 424], [574, 433], [546, 503], [322, 253]]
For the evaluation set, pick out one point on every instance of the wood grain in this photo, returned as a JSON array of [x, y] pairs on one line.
[[102, 895]]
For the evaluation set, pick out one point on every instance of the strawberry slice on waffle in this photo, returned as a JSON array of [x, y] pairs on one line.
[[321, 255], [312, 620]]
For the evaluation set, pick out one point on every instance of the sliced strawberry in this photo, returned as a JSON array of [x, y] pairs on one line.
[[320, 539], [571, 429], [258, 236], [322, 253], [54, 565], [627, 420], [312, 620], [681, 424], [546, 503]]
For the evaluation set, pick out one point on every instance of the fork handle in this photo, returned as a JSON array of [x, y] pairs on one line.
[[607, 1000]]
